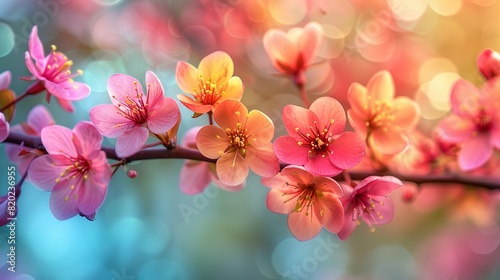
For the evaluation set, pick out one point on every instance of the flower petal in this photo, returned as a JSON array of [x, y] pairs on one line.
[[327, 185], [278, 203], [36, 48], [88, 140], [163, 117], [297, 174], [212, 141], [65, 104], [357, 122], [187, 76], [91, 196], [121, 86], [155, 93], [322, 166], [39, 117], [378, 186], [4, 128], [309, 41], [333, 212], [349, 223], [43, 174], [230, 113], [388, 142], [357, 96], [262, 160], [58, 140], [234, 89], [281, 50], [407, 114], [232, 169], [464, 98], [194, 177], [31, 67], [261, 128], [217, 66], [56, 90], [78, 91], [384, 209], [108, 120], [295, 117], [193, 105], [455, 129], [381, 86], [5, 79], [348, 150], [330, 114], [305, 227], [287, 150], [64, 199], [131, 141], [475, 152]]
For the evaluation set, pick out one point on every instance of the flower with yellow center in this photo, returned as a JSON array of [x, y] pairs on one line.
[[382, 119], [242, 141], [209, 84]]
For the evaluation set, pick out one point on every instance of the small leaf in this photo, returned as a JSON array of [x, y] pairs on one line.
[[6, 97]]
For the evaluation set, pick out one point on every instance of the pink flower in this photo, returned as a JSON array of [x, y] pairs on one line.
[[474, 122], [4, 128], [5, 79], [53, 73], [309, 201], [382, 119], [132, 116], [7, 96], [76, 171], [38, 118], [243, 140], [317, 139], [196, 175], [488, 63], [368, 200], [292, 52], [210, 84]]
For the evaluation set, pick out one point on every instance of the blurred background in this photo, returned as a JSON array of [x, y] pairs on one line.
[[148, 229]]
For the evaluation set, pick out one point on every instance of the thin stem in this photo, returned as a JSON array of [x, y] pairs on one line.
[[303, 95], [185, 153], [210, 118]]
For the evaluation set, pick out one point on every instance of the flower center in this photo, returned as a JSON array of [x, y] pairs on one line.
[[366, 206], [483, 121], [208, 92], [79, 168], [318, 140], [383, 115], [135, 108], [238, 137], [306, 196], [58, 67]]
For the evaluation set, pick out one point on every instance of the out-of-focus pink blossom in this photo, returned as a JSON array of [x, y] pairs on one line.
[[292, 52], [4, 128], [317, 139], [242, 141], [195, 175], [488, 63], [474, 122], [53, 73], [75, 170], [311, 202], [382, 119], [368, 201], [133, 115], [38, 118]]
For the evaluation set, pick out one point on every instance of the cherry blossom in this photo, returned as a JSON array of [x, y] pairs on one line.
[[242, 141], [53, 73], [75, 170], [368, 201], [311, 202], [133, 115], [317, 139], [209, 84]]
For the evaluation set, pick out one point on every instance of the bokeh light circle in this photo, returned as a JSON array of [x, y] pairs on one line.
[[7, 41]]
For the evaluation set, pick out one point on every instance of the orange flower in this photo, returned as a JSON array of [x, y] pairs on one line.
[[242, 141], [210, 84], [382, 119]]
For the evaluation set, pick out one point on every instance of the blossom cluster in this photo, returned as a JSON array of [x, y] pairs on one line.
[[302, 169]]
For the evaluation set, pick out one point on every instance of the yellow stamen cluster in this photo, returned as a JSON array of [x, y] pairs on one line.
[[318, 140], [134, 108], [208, 92], [383, 115], [306, 196]]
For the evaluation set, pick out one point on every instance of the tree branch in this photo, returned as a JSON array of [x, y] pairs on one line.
[[185, 153]]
